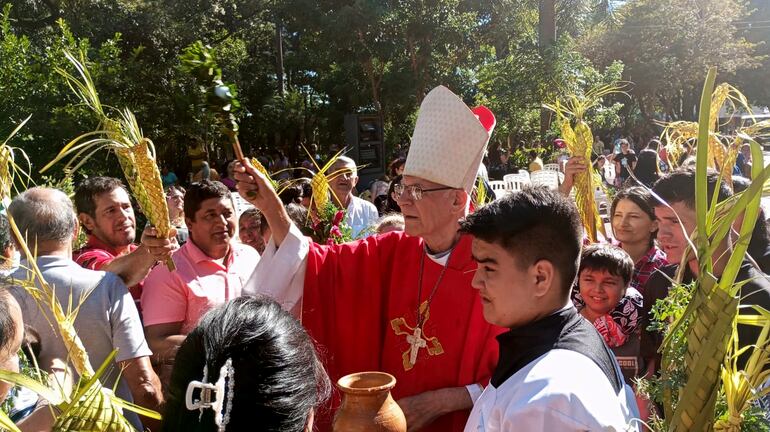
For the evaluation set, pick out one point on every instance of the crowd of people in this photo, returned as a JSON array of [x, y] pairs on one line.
[[496, 317]]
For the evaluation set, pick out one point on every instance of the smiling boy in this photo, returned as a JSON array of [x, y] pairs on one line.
[[554, 371]]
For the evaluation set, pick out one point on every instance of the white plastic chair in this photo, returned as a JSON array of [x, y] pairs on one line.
[[523, 171], [551, 167], [498, 187], [515, 182], [545, 178]]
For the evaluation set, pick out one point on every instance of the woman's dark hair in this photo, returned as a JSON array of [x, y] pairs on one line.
[[176, 188], [304, 183], [395, 165], [639, 196], [279, 379], [654, 144], [387, 204], [615, 260], [291, 193], [647, 169]]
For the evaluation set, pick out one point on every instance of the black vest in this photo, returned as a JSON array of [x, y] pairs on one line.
[[565, 330]]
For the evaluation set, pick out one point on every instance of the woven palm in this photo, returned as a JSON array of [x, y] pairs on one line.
[[320, 182], [723, 149], [579, 141], [706, 331], [122, 135]]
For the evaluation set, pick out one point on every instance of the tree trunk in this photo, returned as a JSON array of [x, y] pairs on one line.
[[546, 40], [279, 56]]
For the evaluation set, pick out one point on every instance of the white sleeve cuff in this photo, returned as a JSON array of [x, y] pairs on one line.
[[474, 391], [280, 273]]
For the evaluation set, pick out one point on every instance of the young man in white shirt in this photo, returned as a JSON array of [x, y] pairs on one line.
[[554, 373]]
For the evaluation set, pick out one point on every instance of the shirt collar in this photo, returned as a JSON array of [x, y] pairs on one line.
[[521, 345], [198, 256], [96, 243]]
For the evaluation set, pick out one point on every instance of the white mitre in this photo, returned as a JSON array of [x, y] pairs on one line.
[[449, 140]]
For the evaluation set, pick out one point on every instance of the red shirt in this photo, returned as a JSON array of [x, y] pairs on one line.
[[643, 269], [96, 254]]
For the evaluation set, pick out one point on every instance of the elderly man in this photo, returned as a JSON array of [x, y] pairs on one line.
[[399, 303], [105, 213], [107, 319], [211, 268], [361, 214]]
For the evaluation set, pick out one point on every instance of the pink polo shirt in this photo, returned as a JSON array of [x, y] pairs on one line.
[[198, 285]]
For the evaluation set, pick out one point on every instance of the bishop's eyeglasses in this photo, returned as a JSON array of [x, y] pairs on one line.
[[415, 191]]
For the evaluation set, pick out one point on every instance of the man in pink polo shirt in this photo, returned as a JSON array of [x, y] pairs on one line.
[[211, 269]]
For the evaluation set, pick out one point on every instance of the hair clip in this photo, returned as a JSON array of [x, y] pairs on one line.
[[214, 396]]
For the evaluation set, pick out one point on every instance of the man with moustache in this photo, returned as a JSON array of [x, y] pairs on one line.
[[211, 269]]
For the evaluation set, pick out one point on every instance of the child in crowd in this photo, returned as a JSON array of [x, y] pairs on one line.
[[603, 295]]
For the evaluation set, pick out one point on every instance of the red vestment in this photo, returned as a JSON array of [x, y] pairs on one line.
[[353, 291]]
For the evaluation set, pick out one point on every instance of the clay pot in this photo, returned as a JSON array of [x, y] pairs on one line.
[[367, 405]]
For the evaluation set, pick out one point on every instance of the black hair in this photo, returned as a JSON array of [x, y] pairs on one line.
[[87, 191], [391, 206], [647, 169], [642, 198], [201, 191], [679, 186], [290, 194], [615, 260], [307, 189], [533, 224], [278, 376], [654, 144]]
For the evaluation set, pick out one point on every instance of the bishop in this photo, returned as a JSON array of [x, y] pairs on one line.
[[354, 291]]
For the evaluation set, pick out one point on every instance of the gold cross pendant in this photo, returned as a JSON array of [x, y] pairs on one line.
[[415, 339]]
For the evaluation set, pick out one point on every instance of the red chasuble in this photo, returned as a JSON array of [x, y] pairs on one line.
[[356, 297]]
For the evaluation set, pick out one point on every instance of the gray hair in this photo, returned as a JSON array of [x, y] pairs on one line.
[[346, 161], [44, 214]]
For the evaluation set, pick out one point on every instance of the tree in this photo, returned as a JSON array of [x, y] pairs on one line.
[[667, 47]]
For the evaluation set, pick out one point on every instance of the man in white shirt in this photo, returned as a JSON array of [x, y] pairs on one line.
[[361, 214], [554, 372]]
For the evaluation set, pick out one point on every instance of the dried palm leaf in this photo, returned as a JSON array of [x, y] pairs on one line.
[[122, 135], [90, 407], [579, 140]]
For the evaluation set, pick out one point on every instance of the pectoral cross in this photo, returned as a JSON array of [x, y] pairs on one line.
[[415, 339]]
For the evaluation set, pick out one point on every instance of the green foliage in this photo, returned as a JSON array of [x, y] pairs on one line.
[[330, 228], [667, 45], [341, 57]]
